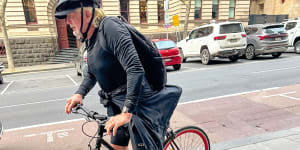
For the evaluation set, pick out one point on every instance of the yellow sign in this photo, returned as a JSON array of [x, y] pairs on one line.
[[175, 20]]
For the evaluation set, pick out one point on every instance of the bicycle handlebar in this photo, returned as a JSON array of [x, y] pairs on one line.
[[90, 114]]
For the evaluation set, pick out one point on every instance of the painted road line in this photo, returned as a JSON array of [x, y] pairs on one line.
[[229, 95], [25, 104], [72, 80], [50, 134], [40, 90], [6, 87], [285, 95], [35, 72], [279, 69], [40, 102], [44, 124], [41, 78]]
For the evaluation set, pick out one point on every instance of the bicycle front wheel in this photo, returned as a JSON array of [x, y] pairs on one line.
[[188, 138]]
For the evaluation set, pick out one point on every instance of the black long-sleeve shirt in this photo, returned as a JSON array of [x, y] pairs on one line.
[[113, 61]]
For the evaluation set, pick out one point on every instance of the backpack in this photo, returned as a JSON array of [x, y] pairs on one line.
[[150, 57]]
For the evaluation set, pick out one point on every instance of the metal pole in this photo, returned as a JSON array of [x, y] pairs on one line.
[[167, 32]]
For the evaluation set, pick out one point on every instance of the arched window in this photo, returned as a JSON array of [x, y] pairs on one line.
[[215, 9], [124, 9], [232, 4], [143, 11], [29, 11]]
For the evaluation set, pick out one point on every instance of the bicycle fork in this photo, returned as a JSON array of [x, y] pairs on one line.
[[172, 136]]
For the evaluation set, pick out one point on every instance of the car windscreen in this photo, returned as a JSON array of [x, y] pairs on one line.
[[165, 44], [231, 28], [274, 29]]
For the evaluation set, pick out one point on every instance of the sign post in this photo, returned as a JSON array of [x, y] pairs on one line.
[[166, 8]]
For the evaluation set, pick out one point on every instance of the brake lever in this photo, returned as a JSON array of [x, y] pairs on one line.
[[76, 108]]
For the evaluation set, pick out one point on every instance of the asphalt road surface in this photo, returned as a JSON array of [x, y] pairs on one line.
[[36, 98]]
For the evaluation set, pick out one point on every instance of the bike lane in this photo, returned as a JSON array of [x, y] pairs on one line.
[[223, 119]]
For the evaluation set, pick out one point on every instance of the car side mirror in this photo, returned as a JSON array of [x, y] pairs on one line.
[[186, 39]]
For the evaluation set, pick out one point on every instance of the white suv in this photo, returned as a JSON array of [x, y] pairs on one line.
[[293, 29], [223, 40]]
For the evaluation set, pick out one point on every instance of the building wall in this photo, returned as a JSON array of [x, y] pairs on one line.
[[46, 28], [276, 7]]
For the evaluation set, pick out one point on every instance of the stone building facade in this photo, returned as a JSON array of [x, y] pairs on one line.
[[276, 7], [35, 35]]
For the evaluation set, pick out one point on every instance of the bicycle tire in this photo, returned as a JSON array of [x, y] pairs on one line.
[[196, 132]]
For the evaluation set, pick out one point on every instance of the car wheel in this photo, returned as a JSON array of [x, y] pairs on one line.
[[233, 58], [250, 52], [297, 47], [183, 59], [177, 66], [1, 79], [276, 55], [205, 56]]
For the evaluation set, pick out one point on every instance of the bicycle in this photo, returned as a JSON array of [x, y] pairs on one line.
[[186, 138]]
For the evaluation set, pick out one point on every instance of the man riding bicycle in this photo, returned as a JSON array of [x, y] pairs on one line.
[[114, 64]]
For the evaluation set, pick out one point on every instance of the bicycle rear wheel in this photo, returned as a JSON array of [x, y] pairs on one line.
[[188, 138]]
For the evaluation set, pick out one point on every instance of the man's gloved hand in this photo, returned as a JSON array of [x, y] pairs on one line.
[[72, 101]]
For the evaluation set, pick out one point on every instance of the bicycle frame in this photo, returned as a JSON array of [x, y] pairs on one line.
[[100, 141], [170, 135], [100, 119]]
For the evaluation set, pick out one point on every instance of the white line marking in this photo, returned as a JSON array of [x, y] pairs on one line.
[[285, 95], [40, 102], [195, 101], [39, 90], [9, 106], [44, 124], [35, 72], [190, 68], [72, 80], [6, 87], [276, 69], [279, 94], [229, 95], [41, 78], [50, 134]]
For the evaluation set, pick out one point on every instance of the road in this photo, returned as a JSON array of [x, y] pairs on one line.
[[37, 98]]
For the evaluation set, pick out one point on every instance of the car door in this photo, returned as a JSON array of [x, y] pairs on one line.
[[292, 29], [196, 41], [204, 37], [189, 42]]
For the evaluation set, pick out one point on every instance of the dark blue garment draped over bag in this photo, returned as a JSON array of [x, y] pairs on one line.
[[149, 124]]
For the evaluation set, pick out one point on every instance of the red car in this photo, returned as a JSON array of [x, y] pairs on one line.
[[169, 51]]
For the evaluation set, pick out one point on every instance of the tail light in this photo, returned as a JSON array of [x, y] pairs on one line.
[[220, 37], [244, 35], [263, 37], [85, 59]]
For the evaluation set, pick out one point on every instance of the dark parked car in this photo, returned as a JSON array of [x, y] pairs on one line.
[[267, 39], [1, 69], [81, 62], [169, 52]]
